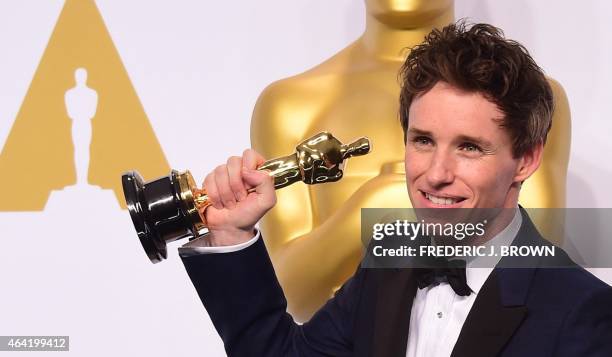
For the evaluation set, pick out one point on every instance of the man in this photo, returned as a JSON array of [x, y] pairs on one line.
[[475, 110]]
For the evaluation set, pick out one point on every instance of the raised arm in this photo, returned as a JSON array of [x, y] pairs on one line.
[[239, 288], [313, 251]]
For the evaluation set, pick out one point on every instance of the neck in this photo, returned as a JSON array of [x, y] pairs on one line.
[[507, 212], [501, 222], [389, 42]]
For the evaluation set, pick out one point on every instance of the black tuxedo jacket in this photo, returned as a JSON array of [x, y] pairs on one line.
[[531, 311]]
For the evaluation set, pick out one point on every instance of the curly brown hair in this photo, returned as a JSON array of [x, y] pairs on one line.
[[479, 58]]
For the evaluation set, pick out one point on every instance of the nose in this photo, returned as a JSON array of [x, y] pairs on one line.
[[440, 170]]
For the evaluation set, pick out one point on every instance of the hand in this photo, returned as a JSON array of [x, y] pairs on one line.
[[234, 212]]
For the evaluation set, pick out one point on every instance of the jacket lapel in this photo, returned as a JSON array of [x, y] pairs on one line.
[[392, 315], [497, 312], [490, 323], [500, 307]]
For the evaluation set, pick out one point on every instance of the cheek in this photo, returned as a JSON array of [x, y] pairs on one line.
[[487, 179], [505, 171], [415, 164]]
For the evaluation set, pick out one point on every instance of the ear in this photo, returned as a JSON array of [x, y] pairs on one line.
[[529, 163]]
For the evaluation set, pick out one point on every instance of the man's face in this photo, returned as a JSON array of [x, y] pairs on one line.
[[457, 155]]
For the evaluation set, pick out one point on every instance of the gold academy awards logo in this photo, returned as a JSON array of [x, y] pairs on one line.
[[81, 122]]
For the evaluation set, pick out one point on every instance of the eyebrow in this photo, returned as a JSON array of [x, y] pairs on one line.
[[473, 139], [415, 131]]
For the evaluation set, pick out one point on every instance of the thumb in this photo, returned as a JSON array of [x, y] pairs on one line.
[[260, 180]]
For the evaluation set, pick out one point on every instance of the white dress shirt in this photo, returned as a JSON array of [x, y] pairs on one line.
[[437, 314], [202, 246]]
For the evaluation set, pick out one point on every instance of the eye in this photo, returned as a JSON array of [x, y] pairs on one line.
[[470, 147], [421, 140]]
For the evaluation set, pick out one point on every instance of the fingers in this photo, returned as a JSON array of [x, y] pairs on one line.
[[251, 159], [226, 186], [228, 199], [234, 168], [263, 184], [218, 189], [212, 191]]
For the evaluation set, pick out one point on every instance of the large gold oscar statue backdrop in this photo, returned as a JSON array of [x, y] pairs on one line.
[[39, 154], [313, 233]]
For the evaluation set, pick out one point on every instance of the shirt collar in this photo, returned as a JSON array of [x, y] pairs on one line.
[[478, 269]]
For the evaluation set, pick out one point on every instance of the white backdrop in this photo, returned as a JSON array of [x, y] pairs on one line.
[[202, 64]]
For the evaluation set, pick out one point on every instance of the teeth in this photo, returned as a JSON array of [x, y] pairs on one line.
[[440, 200]]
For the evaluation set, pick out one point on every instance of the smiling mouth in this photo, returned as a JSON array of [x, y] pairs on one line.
[[439, 200]]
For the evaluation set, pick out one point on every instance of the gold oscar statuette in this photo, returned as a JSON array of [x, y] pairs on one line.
[[172, 207]]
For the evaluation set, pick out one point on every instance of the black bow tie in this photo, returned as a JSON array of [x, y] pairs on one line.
[[452, 271]]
